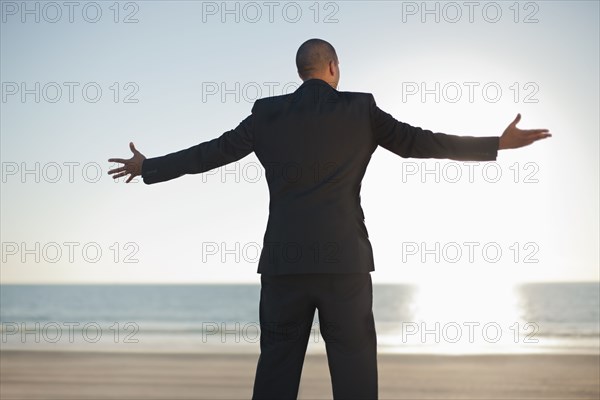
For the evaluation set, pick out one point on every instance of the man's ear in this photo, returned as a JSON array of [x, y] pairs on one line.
[[332, 67]]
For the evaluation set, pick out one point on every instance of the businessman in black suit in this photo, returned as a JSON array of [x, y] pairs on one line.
[[315, 145]]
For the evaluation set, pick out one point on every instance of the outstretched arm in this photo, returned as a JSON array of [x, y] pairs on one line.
[[413, 142], [229, 147]]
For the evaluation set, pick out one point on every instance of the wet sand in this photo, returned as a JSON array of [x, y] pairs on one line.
[[97, 375]]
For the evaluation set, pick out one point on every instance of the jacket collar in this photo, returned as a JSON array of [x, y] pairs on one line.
[[315, 81]]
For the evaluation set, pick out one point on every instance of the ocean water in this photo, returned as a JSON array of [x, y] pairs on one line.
[[529, 318]]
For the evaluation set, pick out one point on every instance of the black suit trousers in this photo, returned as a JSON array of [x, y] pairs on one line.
[[287, 307]]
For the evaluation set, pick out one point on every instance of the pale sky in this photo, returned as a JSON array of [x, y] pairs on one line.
[[187, 71]]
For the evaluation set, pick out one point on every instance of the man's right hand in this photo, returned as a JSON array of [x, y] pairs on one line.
[[513, 137], [132, 167]]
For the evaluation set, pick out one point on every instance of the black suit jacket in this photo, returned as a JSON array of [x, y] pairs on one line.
[[315, 145]]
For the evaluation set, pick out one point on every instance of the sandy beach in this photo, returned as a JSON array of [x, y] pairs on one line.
[[89, 375]]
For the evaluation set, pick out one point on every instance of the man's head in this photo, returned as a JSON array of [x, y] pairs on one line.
[[316, 59]]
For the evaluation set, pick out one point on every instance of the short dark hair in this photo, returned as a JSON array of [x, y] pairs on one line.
[[314, 55]]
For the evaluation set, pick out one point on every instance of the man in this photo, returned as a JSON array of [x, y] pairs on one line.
[[315, 145]]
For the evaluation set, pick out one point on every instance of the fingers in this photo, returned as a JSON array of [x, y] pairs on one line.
[[517, 119], [542, 136], [534, 131], [133, 149], [122, 174], [531, 133], [117, 176], [125, 169], [535, 137], [115, 170], [121, 160]]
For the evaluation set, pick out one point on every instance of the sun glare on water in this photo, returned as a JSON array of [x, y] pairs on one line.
[[460, 314]]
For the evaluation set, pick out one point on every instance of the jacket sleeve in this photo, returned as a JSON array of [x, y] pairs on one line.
[[409, 141], [231, 146]]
